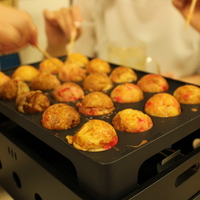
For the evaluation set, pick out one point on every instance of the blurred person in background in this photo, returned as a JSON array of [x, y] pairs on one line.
[[155, 22]]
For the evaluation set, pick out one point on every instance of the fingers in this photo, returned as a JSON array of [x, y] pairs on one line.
[[77, 19], [64, 19], [179, 3]]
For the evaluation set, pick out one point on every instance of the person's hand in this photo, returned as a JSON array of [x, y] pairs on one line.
[[184, 6], [59, 26], [16, 29]]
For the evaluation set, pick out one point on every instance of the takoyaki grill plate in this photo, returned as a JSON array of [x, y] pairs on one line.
[[100, 174]]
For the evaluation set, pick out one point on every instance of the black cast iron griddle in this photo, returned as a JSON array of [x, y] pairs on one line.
[[113, 173]]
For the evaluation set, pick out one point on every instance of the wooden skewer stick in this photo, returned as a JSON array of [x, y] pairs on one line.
[[190, 14], [47, 55], [72, 40]]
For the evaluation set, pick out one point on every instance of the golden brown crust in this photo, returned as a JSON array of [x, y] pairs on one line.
[[32, 102], [132, 121], [153, 83], [127, 93], [12, 88], [60, 117], [98, 65], [68, 92], [3, 78], [44, 81], [78, 59], [123, 74], [97, 82], [51, 65], [187, 94], [162, 105], [25, 73], [71, 72], [96, 103], [94, 136]]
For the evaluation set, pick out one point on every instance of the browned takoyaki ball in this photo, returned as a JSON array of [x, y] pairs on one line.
[[187, 94], [96, 103], [44, 81], [162, 105], [132, 121], [25, 73], [97, 82], [68, 92], [98, 65], [3, 78], [78, 59], [123, 74], [13, 88], [153, 83], [32, 102], [51, 65], [94, 136], [60, 116], [127, 93], [71, 72]]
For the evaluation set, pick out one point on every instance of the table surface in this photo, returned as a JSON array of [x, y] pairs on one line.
[[4, 195]]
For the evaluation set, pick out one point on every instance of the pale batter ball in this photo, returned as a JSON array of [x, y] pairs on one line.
[[153, 83], [187, 94], [94, 136], [97, 82], [98, 65], [123, 74], [162, 105], [60, 117], [132, 121], [127, 93], [25, 73], [96, 103], [68, 92]]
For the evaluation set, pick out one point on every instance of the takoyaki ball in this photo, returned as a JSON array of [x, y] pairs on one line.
[[32, 102], [123, 74], [77, 59], [127, 93], [98, 65], [25, 73], [60, 116], [68, 92], [44, 81], [153, 83], [132, 121], [71, 72], [51, 65], [96, 103], [13, 88], [3, 78], [94, 136], [187, 94], [97, 82], [162, 105]]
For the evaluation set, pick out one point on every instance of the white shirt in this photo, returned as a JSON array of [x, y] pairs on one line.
[[156, 22]]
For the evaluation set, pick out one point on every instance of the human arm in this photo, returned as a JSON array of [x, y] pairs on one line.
[[16, 29], [184, 6]]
